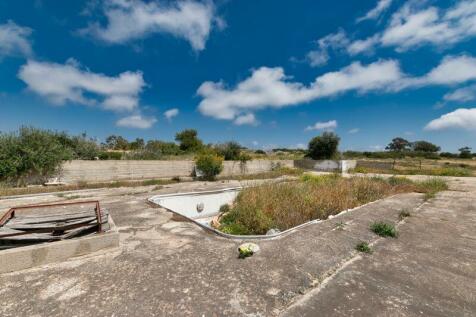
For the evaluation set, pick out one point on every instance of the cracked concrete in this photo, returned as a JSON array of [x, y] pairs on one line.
[[166, 267]]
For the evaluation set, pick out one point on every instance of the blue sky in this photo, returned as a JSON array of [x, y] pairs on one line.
[[264, 73]]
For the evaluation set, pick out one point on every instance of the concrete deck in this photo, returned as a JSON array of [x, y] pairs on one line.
[[165, 267]]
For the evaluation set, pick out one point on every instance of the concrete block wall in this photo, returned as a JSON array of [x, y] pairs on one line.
[[326, 165], [114, 170]]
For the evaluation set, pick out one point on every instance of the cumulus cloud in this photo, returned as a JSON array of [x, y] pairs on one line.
[[320, 56], [246, 119], [460, 118], [354, 131], [14, 40], [271, 88], [413, 26], [61, 83], [373, 14], [171, 113], [462, 94], [328, 125], [136, 121], [134, 19], [451, 71]]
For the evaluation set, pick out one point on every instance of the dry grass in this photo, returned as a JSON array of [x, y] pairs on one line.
[[10, 191], [282, 171], [286, 205]]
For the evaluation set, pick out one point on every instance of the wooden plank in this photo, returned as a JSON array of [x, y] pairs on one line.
[[51, 225], [76, 232], [39, 220]]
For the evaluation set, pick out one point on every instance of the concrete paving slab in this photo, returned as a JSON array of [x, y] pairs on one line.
[[166, 267]]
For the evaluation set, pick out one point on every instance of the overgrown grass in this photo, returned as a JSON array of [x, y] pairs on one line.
[[384, 229], [439, 171], [363, 247], [287, 204]]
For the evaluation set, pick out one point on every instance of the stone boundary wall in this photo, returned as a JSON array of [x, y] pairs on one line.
[[114, 170], [375, 164]]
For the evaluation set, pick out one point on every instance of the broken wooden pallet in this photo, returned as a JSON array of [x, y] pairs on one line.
[[28, 229]]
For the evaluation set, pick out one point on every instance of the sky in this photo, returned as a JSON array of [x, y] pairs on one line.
[[268, 73]]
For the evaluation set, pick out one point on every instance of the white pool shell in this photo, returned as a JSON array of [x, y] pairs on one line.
[[186, 205]]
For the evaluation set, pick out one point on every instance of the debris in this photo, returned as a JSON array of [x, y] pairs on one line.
[[273, 231], [247, 249], [19, 228]]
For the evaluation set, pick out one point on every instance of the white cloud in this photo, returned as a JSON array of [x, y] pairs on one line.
[[136, 121], [169, 114], [362, 46], [301, 146], [328, 125], [61, 83], [14, 40], [134, 19], [269, 87], [373, 14], [413, 26], [354, 131], [334, 41], [462, 94], [246, 119], [451, 71], [460, 118]]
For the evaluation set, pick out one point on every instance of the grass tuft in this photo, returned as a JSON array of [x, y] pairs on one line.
[[363, 247], [384, 229], [404, 214]]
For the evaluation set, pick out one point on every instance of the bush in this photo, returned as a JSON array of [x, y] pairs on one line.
[[163, 148], [110, 155], [210, 164], [323, 146], [189, 142], [230, 151], [31, 155]]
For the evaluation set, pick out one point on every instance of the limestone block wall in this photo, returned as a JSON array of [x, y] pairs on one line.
[[114, 170]]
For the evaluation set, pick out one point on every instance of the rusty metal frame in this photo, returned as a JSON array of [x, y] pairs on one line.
[[11, 212]]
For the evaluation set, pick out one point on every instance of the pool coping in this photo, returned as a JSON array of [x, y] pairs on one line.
[[248, 237]]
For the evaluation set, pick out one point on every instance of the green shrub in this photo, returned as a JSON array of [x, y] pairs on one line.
[[384, 229], [210, 164], [110, 155], [323, 146], [31, 156], [230, 151]]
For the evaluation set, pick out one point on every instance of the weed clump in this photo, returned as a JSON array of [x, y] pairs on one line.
[[404, 214], [363, 247], [384, 229]]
